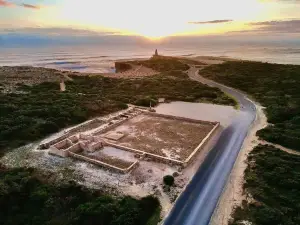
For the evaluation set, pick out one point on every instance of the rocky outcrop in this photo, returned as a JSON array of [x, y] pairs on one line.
[[122, 67]]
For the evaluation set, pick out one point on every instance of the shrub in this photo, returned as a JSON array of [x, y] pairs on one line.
[[145, 102], [168, 180]]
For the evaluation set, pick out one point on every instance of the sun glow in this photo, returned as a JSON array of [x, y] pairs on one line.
[[156, 18]]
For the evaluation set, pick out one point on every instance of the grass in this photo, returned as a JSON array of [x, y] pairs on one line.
[[236, 103]]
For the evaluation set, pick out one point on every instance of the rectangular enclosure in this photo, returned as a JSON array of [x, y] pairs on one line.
[[170, 137]]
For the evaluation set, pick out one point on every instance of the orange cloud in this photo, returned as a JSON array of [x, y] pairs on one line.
[[5, 3]]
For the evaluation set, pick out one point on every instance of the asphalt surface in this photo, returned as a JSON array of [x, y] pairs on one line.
[[197, 203]]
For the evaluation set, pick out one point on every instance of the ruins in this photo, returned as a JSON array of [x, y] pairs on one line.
[[119, 142]]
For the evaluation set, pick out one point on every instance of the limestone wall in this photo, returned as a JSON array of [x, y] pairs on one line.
[[110, 127], [153, 157], [67, 134], [179, 118], [105, 165], [95, 146], [63, 143], [61, 153], [74, 139], [202, 144], [75, 148], [84, 124], [54, 141]]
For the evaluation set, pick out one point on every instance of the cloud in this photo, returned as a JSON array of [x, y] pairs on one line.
[[55, 31], [5, 3], [30, 6], [277, 26], [210, 22], [281, 1]]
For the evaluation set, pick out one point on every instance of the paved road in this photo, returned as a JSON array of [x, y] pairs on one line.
[[197, 203]]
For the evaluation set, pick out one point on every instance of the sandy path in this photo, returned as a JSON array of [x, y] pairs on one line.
[[288, 150]]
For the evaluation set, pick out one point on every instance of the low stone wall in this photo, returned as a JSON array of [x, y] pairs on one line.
[[105, 165], [132, 167], [67, 134], [54, 141], [63, 143], [201, 145], [57, 152], [95, 146], [110, 127], [179, 118], [86, 123], [74, 139], [154, 157], [75, 148], [158, 158]]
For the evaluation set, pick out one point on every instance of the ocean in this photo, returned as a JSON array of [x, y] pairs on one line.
[[100, 58]]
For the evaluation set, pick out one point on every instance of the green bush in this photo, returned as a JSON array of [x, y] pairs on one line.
[[28, 200], [146, 102], [272, 177], [168, 180]]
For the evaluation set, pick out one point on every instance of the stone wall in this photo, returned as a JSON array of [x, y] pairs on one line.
[[110, 127], [54, 141], [162, 159], [67, 134], [179, 118], [61, 153], [202, 144], [153, 157], [105, 165], [75, 148], [63, 143]]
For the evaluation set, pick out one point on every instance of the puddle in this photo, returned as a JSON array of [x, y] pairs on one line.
[[201, 111]]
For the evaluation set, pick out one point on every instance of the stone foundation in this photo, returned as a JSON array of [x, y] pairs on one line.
[[68, 145]]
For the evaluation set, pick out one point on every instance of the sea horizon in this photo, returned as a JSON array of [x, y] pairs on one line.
[[100, 58]]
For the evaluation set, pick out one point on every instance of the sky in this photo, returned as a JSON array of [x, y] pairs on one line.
[[153, 19]]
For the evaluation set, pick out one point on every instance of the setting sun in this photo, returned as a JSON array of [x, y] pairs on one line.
[[155, 19]]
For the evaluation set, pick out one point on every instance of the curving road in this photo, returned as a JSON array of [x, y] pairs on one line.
[[197, 203]]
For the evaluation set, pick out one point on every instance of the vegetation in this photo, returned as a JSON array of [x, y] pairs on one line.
[[35, 111], [26, 199], [273, 180], [275, 86], [42, 109], [168, 180], [272, 177]]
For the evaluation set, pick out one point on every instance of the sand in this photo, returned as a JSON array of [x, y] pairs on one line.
[[280, 147]]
